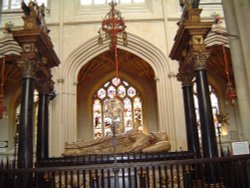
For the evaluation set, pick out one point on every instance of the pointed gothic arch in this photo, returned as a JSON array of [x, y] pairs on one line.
[[141, 48]]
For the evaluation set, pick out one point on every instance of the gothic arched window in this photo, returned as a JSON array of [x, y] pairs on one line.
[[129, 99]]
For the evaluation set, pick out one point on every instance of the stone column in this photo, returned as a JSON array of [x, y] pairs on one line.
[[25, 151], [190, 116], [209, 145], [239, 67]]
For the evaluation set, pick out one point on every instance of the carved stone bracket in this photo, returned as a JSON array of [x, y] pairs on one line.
[[28, 68]]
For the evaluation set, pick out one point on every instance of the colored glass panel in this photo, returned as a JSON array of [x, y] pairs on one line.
[[116, 90], [111, 92], [97, 119], [121, 91], [106, 84], [101, 93], [116, 81], [128, 120], [131, 92], [138, 111]]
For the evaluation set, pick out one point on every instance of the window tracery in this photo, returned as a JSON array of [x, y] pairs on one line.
[[129, 98]]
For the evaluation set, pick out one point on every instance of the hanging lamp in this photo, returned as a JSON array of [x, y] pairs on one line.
[[112, 25]]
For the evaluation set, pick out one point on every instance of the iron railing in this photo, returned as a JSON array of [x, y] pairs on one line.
[[228, 172]]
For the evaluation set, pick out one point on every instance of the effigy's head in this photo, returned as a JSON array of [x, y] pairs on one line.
[[160, 136]]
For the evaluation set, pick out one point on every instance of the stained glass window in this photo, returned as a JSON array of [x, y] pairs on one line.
[[129, 99]]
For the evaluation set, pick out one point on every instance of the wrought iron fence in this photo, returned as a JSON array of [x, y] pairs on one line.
[[228, 172]]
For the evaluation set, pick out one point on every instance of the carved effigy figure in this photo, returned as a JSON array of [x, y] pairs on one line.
[[134, 141]]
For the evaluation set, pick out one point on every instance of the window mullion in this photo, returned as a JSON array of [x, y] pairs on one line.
[[102, 125], [133, 113]]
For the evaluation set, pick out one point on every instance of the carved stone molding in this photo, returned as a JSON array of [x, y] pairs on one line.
[[200, 60], [28, 68]]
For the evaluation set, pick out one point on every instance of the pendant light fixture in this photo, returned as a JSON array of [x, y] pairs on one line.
[[112, 25]]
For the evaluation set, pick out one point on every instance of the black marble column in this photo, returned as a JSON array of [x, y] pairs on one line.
[[209, 145], [25, 150], [42, 128], [190, 116], [191, 122], [42, 147]]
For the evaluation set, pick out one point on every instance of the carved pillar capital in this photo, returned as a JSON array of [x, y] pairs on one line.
[[186, 78], [44, 85], [28, 68], [200, 59]]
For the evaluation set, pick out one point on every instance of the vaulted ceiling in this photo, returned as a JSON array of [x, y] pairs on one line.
[[105, 62], [217, 63], [133, 65], [12, 74]]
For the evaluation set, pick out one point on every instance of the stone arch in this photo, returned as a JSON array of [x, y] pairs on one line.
[[138, 46]]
